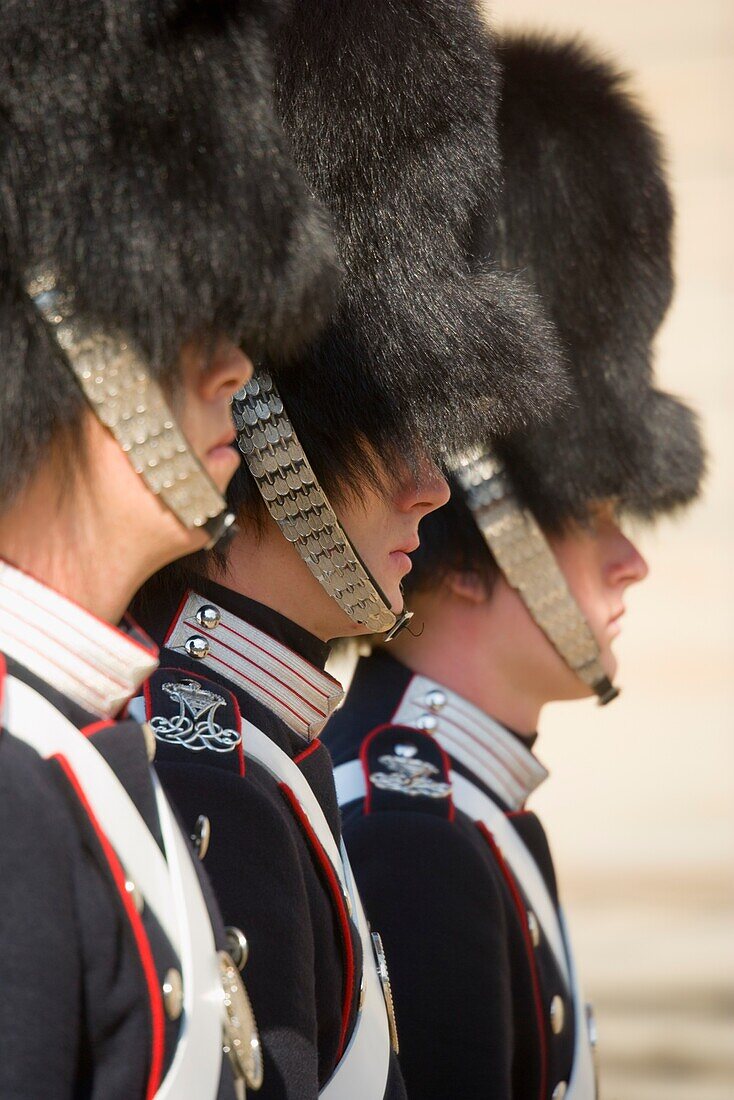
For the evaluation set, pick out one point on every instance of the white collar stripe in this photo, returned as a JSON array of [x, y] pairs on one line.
[[93, 663], [290, 667], [496, 749], [475, 740], [263, 665], [300, 694]]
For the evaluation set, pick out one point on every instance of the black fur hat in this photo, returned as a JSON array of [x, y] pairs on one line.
[[142, 158], [586, 216], [390, 107]]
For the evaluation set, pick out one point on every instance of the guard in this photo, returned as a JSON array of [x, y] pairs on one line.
[[338, 477], [144, 235], [518, 589]]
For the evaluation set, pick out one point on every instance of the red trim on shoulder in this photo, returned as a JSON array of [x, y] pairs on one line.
[[315, 744], [335, 891], [202, 679], [155, 998], [174, 620], [95, 727], [413, 733], [529, 950]]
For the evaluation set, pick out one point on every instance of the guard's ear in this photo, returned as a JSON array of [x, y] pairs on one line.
[[467, 585]]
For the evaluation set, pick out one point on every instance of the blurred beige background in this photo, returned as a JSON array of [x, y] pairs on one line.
[[640, 806]]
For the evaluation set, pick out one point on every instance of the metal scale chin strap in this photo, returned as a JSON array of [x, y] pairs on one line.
[[522, 553], [302, 510], [116, 383]]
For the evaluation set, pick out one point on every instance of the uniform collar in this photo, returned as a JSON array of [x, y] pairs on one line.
[[95, 665], [474, 739], [260, 652]]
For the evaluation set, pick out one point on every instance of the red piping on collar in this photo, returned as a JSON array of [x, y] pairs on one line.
[[177, 615], [213, 657], [103, 622], [273, 657]]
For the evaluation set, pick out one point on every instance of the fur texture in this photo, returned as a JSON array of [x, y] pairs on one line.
[[390, 107], [141, 155], [586, 216]]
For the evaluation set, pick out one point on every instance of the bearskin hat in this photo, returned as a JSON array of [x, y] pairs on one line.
[[142, 159], [390, 108], [586, 216]]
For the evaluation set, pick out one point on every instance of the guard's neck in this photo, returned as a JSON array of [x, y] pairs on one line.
[[455, 649]]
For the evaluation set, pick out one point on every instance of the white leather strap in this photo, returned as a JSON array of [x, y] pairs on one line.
[[197, 1063], [363, 1069], [169, 885], [583, 1083]]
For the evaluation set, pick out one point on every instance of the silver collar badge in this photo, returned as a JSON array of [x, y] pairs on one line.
[[409, 775], [194, 726]]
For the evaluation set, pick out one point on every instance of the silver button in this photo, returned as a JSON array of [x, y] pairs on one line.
[[238, 946], [406, 751], [427, 722], [559, 1091], [557, 1015], [132, 890], [173, 994], [533, 928], [201, 835], [197, 647], [435, 700], [209, 616]]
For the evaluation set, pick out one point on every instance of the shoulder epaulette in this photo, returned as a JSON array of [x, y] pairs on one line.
[[190, 714], [406, 769]]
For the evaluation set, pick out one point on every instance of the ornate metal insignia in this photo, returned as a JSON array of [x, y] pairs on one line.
[[194, 726], [409, 775]]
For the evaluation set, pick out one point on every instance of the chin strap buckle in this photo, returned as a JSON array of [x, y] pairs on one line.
[[606, 691], [398, 626], [221, 530]]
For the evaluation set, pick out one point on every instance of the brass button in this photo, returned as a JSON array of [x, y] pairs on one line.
[[435, 700], [533, 928], [557, 1015], [238, 946], [197, 647], [209, 616], [201, 835], [173, 994], [559, 1091]]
